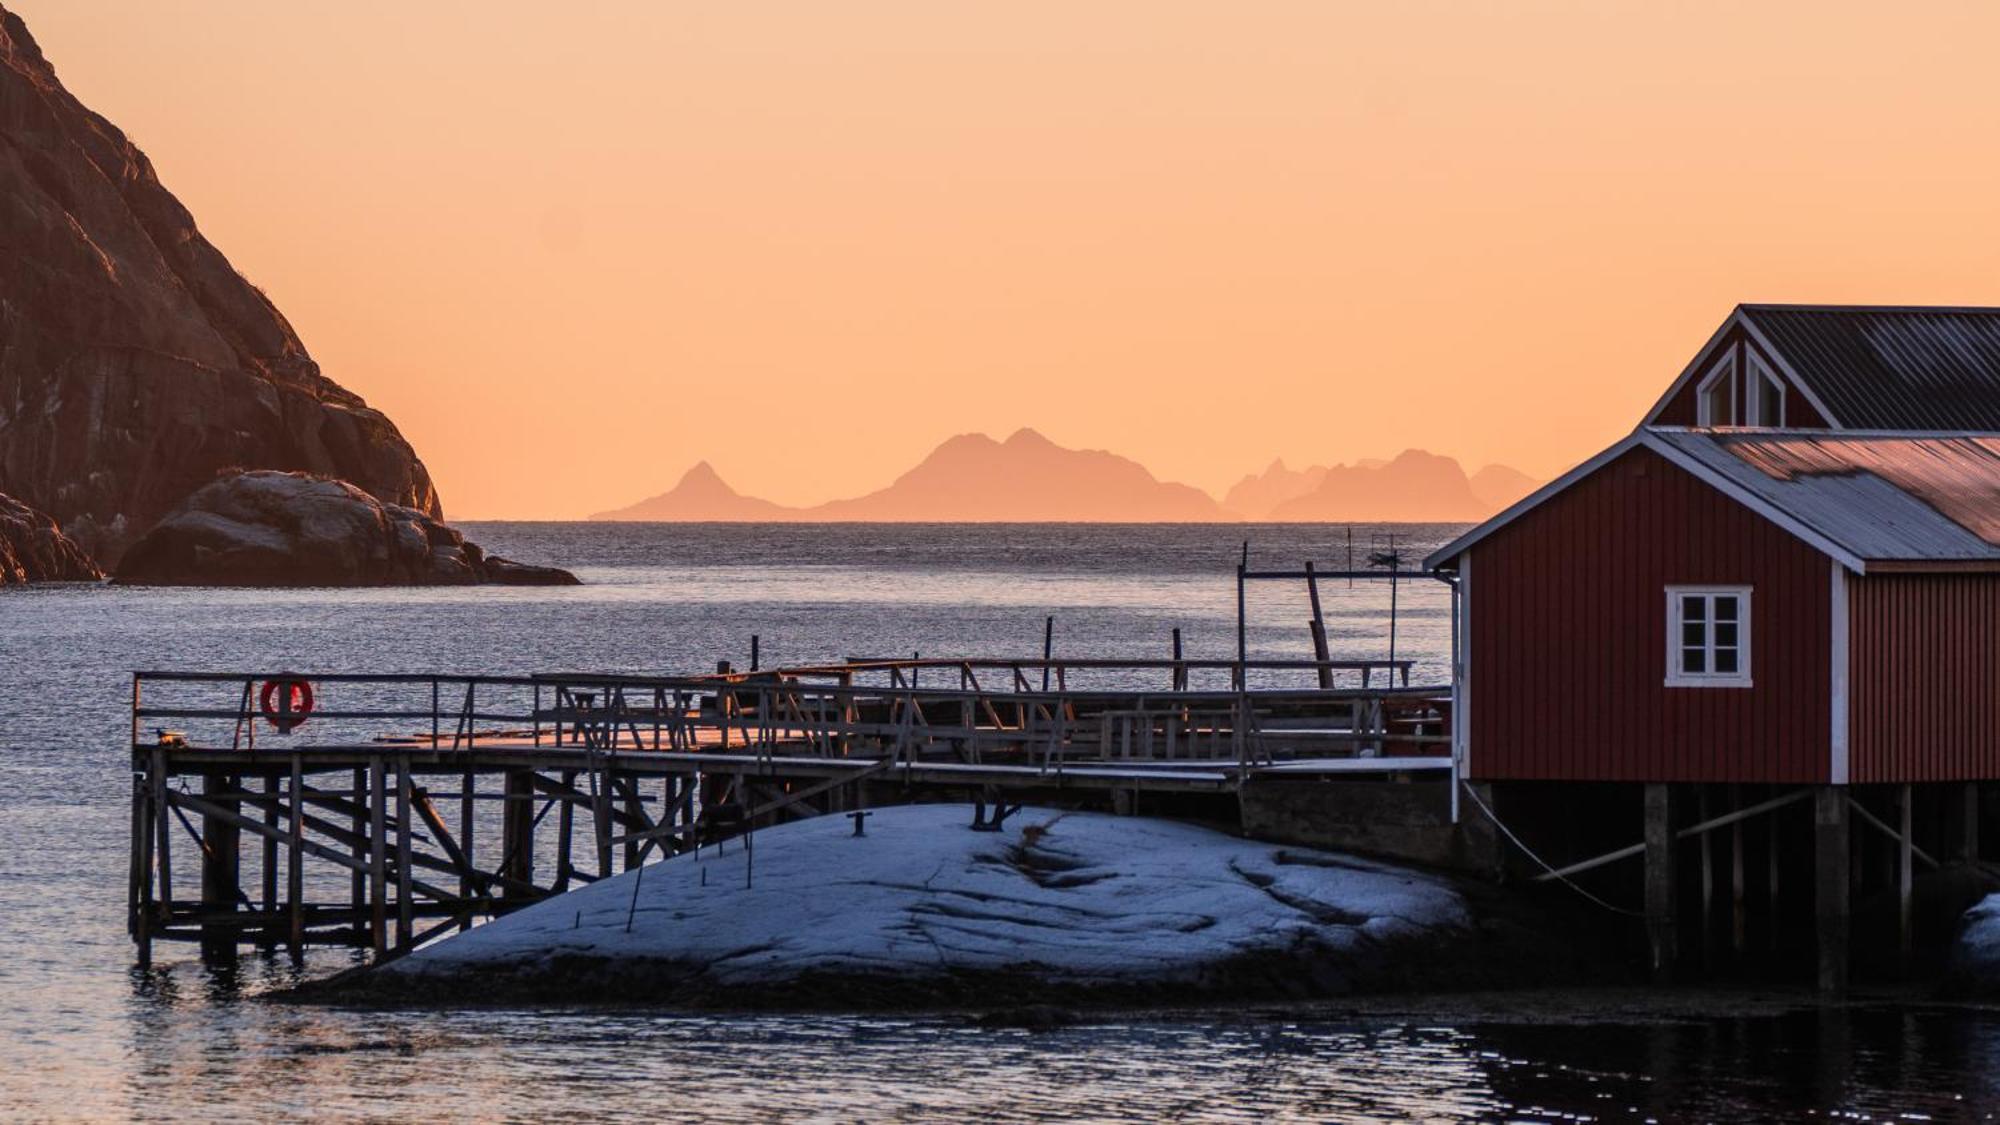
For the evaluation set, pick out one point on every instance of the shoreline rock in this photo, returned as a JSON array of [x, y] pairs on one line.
[[269, 528], [138, 362], [33, 548]]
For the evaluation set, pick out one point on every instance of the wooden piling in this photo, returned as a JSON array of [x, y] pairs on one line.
[[517, 843], [295, 893], [1660, 899], [1831, 890], [1905, 877], [404, 901], [220, 886]]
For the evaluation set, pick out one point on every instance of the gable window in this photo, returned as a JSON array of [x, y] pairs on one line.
[[1708, 636], [1766, 400], [1715, 398]]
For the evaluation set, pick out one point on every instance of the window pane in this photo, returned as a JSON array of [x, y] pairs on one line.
[[1725, 661], [1725, 634], [1694, 607], [1694, 661], [1694, 634], [1725, 607]]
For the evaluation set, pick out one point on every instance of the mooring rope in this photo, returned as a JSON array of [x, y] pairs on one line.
[[1539, 861]]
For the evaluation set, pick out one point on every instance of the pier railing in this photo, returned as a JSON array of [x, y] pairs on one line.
[[974, 711]]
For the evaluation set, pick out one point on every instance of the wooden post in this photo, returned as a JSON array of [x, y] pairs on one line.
[[219, 869], [378, 856], [270, 855], [1321, 652], [517, 830], [1179, 676], [565, 830], [1965, 840], [1706, 849], [467, 816], [1660, 912], [1831, 889], [294, 862], [404, 905], [357, 824], [1048, 648], [1242, 622], [1904, 876], [1737, 910], [140, 895], [1772, 835]]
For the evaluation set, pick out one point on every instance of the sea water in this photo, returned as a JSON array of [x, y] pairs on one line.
[[83, 1033]]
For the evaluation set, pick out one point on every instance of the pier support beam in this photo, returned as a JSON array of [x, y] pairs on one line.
[[1962, 822], [517, 829], [220, 883], [1831, 884], [1661, 931]]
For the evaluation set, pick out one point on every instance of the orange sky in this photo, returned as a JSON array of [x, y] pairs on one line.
[[572, 248]]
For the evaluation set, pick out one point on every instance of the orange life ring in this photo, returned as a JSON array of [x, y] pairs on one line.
[[285, 702]]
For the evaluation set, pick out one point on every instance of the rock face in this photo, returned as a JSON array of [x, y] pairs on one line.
[[135, 363], [268, 528], [34, 549]]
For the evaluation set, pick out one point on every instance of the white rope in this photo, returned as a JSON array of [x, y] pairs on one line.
[[1539, 861]]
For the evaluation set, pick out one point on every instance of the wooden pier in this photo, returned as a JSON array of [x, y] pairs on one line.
[[403, 806]]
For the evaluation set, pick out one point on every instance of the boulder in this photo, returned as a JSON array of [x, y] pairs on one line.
[[267, 528], [135, 362], [34, 549]]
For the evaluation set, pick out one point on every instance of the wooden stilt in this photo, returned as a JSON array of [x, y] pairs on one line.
[[295, 893], [378, 857], [358, 880], [1776, 927], [404, 903], [1904, 875], [1966, 843], [518, 829], [1706, 849], [467, 813], [1831, 837], [1737, 909], [1660, 927], [270, 854], [220, 886], [565, 828]]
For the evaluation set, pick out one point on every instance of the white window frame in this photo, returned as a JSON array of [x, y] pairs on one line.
[[1753, 400], [1724, 368], [1676, 677]]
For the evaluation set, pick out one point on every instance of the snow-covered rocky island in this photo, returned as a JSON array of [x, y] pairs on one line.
[[1064, 907]]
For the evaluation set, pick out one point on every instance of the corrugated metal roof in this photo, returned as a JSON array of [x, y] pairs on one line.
[[1888, 368], [1879, 497]]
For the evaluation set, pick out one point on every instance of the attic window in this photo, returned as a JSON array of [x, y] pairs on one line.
[[1715, 401], [1767, 395], [1708, 636]]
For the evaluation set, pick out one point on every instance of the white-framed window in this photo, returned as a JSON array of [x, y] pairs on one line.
[[1766, 401], [1708, 636], [1715, 397]]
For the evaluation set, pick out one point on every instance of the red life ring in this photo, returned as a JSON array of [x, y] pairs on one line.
[[286, 702]]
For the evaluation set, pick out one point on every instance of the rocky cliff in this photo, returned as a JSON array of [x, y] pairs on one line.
[[34, 549], [135, 362], [290, 529]]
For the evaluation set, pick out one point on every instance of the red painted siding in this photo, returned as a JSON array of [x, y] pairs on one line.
[[1567, 638], [1923, 677], [1680, 409]]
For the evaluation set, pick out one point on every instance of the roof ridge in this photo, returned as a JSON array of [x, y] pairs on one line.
[[1779, 306]]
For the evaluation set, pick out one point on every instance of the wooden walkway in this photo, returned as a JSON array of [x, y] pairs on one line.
[[402, 806]]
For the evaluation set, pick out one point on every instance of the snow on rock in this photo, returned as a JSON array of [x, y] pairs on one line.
[[1975, 958], [1058, 898]]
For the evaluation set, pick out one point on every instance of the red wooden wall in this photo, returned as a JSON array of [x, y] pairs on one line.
[[1567, 638], [1680, 410], [1923, 677]]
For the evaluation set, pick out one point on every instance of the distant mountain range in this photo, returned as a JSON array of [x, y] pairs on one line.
[[972, 478]]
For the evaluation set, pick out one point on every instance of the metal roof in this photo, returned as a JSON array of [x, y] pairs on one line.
[[1880, 497], [1914, 499], [1891, 368]]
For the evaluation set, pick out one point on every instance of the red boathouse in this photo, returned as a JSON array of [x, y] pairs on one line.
[[1784, 585]]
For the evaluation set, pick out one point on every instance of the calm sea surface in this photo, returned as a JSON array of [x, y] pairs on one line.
[[84, 1034]]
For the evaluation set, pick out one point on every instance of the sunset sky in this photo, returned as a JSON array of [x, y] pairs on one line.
[[573, 248]]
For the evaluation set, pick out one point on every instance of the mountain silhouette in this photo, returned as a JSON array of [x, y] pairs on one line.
[[701, 496]]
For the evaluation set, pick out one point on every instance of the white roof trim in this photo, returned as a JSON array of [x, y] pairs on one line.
[[1697, 366], [1533, 499], [1673, 456]]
